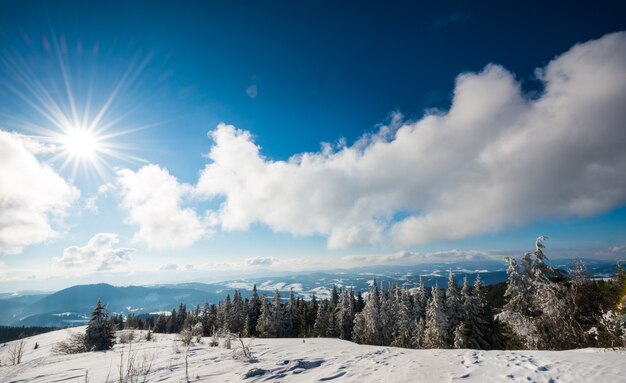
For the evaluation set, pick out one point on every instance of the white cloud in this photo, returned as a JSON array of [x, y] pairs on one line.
[[496, 159], [405, 257], [97, 255], [259, 261], [154, 200], [32, 195], [169, 267], [91, 204]]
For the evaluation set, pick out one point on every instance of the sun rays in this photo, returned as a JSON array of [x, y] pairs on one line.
[[85, 127]]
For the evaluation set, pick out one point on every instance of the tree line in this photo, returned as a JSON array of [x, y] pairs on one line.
[[543, 308]]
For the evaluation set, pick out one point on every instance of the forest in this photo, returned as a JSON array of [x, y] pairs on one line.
[[539, 307]]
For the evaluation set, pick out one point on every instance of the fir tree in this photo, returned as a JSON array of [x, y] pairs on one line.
[[264, 323], [460, 336], [420, 300], [254, 310], [419, 333], [454, 308], [371, 317], [475, 325], [320, 328], [402, 335], [277, 328], [345, 314], [436, 332], [100, 333], [291, 317]]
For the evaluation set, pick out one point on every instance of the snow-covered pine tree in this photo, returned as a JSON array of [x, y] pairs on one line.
[[388, 310], [403, 330], [475, 324], [332, 329], [320, 327], [224, 313], [237, 314], [264, 323], [532, 299], [542, 272], [460, 336], [371, 316], [453, 305], [253, 312], [100, 333], [291, 317], [436, 333], [516, 311], [344, 315], [420, 300], [301, 309], [277, 328], [419, 333], [358, 329]]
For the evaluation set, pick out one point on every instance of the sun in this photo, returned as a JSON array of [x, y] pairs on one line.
[[80, 143]]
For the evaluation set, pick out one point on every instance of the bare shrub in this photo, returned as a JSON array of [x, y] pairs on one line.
[[175, 348], [75, 344], [244, 351], [131, 370], [197, 330], [215, 341], [226, 343], [16, 353], [186, 336], [126, 336], [149, 336]]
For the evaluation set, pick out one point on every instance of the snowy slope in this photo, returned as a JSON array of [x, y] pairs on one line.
[[292, 360]]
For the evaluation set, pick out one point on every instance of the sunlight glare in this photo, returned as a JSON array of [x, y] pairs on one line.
[[80, 143]]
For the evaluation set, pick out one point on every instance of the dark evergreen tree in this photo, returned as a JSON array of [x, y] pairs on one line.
[[254, 310], [100, 333]]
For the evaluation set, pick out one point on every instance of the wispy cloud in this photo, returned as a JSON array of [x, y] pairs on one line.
[[450, 19]]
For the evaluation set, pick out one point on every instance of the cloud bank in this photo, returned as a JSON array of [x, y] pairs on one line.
[[32, 195], [496, 159]]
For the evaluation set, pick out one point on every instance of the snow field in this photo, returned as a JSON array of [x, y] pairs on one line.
[[311, 360]]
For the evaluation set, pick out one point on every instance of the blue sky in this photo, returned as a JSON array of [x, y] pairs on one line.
[[406, 140]]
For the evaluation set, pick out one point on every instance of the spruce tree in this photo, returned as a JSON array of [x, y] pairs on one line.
[[402, 335], [419, 333], [345, 314], [436, 332], [277, 328], [460, 336], [475, 324], [371, 317], [100, 333], [420, 300], [264, 323], [291, 317], [320, 328], [254, 310], [454, 309]]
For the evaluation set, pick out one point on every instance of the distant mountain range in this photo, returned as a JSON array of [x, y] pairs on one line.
[[71, 306]]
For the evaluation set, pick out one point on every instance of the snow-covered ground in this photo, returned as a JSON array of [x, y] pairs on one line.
[[312, 360]]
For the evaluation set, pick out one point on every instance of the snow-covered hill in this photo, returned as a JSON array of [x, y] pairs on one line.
[[311, 360]]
